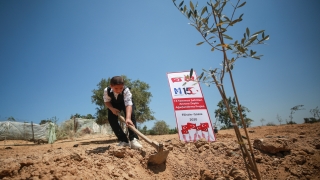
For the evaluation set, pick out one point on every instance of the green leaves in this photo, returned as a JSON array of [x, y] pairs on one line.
[[191, 6], [227, 37], [205, 20], [212, 22], [213, 30], [200, 43], [189, 14], [248, 32], [184, 9], [264, 39], [201, 75], [204, 10], [181, 3], [214, 6], [257, 33], [250, 41], [211, 37], [252, 53], [241, 4], [174, 2], [256, 57]]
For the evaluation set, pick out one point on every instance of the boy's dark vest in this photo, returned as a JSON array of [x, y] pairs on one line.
[[119, 99]]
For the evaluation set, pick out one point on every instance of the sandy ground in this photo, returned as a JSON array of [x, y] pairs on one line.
[[290, 152]]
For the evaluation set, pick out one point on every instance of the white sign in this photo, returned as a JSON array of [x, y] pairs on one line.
[[191, 112]]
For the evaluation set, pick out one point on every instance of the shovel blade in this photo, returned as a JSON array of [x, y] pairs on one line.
[[158, 158]]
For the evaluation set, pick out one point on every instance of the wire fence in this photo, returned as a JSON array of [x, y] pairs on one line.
[[11, 130]]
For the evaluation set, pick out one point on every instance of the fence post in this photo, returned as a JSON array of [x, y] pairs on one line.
[[32, 132], [74, 124]]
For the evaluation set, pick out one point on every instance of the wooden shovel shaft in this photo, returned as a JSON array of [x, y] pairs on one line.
[[155, 144]]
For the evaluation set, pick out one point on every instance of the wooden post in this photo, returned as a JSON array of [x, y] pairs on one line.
[[32, 131], [74, 124]]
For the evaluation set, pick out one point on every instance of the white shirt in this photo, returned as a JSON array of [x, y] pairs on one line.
[[127, 96]]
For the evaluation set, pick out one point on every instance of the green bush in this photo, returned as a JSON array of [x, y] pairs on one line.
[[291, 122], [311, 120], [224, 127], [152, 132], [173, 131], [270, 124]]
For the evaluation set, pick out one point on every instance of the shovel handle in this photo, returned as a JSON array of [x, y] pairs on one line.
[[155, 144]]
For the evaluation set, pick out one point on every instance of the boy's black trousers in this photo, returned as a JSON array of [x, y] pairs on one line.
[[114, 123]]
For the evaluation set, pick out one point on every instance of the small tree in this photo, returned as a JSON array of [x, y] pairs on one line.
[[77, 115], [270, 124], [248, 121], [144, 130], [315, 112], [161, 127], [223, 116], [213, 23], [54, 119], [88, 116], [45, 121], [279, 118], [291, 122], [293, 110], [11, 119], [152, 132], [173, 131], [140, 95], [262, 120]]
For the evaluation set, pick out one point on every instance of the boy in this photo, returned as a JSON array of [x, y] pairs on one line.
[[117, 97]]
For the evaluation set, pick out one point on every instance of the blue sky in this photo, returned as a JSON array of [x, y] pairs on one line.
[[54, 53]]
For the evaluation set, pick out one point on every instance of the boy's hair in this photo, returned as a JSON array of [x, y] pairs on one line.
[[116, 80]]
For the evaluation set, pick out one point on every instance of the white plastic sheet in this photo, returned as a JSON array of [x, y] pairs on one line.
[[93, 126], [10, 130]]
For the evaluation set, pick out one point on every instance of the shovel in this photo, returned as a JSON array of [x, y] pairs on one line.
[[161, 155]]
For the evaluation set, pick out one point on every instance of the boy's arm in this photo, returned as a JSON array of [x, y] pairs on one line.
[[128, 115], [112, 109], [108, 105], [128, 103]]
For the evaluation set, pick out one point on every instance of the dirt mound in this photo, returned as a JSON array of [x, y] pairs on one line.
[[281, 152]]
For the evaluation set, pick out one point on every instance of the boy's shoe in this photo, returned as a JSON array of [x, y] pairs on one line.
[[135, 144], [123, 144]]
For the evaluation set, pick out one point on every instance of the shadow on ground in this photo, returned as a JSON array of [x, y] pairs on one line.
[[157, 168], [98, 150], [109, 141]]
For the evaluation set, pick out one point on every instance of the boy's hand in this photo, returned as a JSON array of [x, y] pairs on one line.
[[115, 111], [129, 122]]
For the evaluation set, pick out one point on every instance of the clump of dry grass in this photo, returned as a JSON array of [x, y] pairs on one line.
[[86, 130], [65, 130]]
